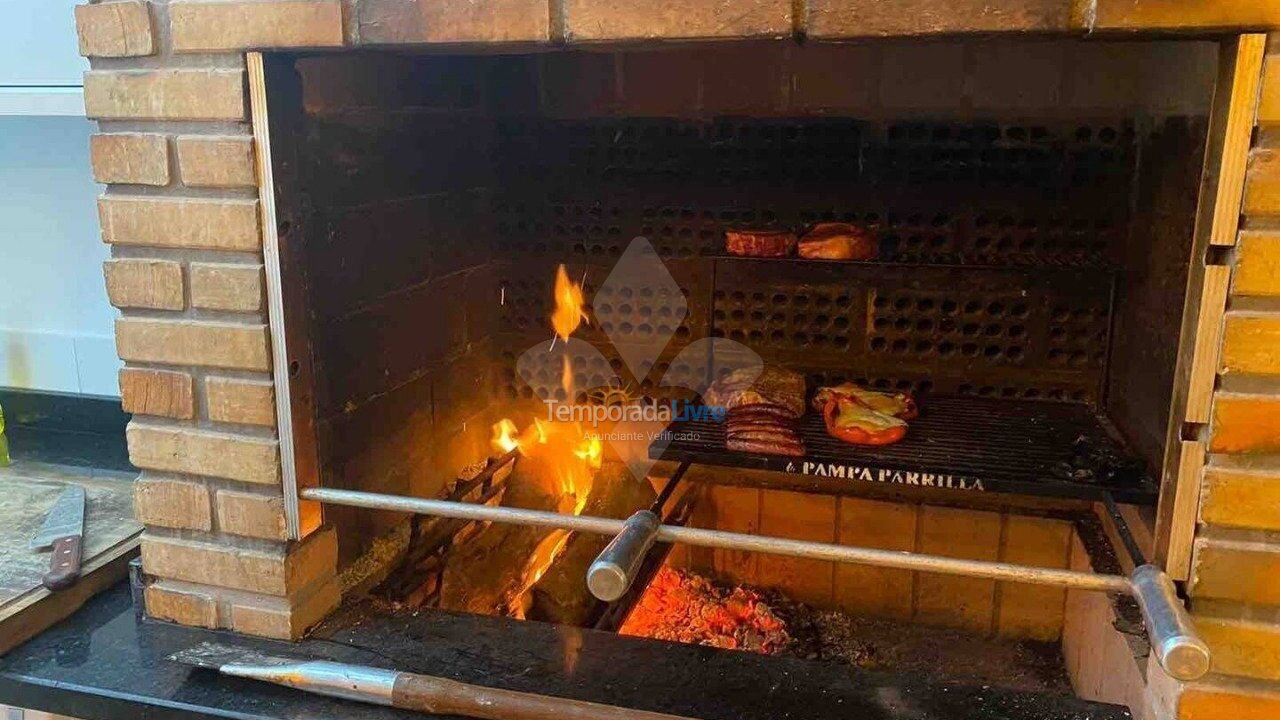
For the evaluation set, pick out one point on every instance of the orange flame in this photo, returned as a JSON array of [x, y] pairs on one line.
[[572, 458], [566, 377], [545, 554], [571, 455], [506, 437], [568, 314]]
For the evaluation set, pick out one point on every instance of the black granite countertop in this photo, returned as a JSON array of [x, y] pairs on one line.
[[104, 664]]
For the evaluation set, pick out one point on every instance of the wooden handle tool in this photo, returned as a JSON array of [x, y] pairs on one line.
[[63, 530], [450, 697], [408, 691], [64, 564]]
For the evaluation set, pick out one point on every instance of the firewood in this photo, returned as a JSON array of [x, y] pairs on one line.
[[482, 574], [561, 596]]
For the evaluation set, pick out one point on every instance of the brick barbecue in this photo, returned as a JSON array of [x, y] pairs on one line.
[[214, 213]]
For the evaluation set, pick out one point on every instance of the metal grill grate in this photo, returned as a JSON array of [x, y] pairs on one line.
[[967, 444], [998, 241], [936, 192], [974, 331]]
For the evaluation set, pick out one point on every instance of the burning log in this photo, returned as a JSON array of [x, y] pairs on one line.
[[418, 547], [484, 573], [561, 596], [555, 471]]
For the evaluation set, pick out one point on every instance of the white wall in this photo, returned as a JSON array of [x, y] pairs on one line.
[[55, 322], [38, 43]]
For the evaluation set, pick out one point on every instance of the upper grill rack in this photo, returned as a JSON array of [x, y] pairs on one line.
[[967, 444], [939, 192]]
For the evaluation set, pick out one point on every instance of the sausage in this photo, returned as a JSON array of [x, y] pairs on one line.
[[767, 447], [760, 431], [760, 422], [759, 410]]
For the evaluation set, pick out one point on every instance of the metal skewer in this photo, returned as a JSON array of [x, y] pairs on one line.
[[408, 691], [1178, 648]]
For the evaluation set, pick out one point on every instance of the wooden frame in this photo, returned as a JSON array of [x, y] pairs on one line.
[[283, 208], [1217, 224], [282, 232]]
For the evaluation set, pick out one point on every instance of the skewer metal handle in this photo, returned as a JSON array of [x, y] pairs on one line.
[[1173, 637], [615, 568]]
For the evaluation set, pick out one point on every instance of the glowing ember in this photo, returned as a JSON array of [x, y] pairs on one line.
[[686, 607], [568, 314]]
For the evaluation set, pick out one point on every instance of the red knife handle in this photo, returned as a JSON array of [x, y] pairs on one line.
[[64, 566]]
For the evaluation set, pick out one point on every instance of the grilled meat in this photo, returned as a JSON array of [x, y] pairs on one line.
[[761, 411], [741, 427], [772, 386], [838, 241], [760, 243], [766, 447], [780, 435]]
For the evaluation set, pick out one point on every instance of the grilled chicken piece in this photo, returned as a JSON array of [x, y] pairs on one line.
[[838, 241]]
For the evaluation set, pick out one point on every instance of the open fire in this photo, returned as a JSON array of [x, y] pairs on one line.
[[569, 459], [567, 456]]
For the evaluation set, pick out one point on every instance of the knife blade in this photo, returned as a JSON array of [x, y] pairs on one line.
[[63, 529]]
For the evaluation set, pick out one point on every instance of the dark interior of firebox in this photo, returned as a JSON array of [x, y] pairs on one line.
[[1034, 205]]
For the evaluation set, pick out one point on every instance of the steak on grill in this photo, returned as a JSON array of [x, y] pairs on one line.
[[773, 386], [759, 243]]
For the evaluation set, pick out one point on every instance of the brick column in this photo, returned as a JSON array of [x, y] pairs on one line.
[[168, 89], [1235, 573]]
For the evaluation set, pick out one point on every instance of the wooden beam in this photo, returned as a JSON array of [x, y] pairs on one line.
[[1208, 337], [278, 117], [1190, 15], [1242, 109], [1217, 223], [1182, 528]]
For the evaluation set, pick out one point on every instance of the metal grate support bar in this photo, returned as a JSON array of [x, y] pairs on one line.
[[1178, 648]]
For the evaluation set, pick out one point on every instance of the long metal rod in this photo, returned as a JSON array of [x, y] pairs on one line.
[[1173, 636], [898, 559]]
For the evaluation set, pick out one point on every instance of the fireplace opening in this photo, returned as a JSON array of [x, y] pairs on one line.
[[451, 231]]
